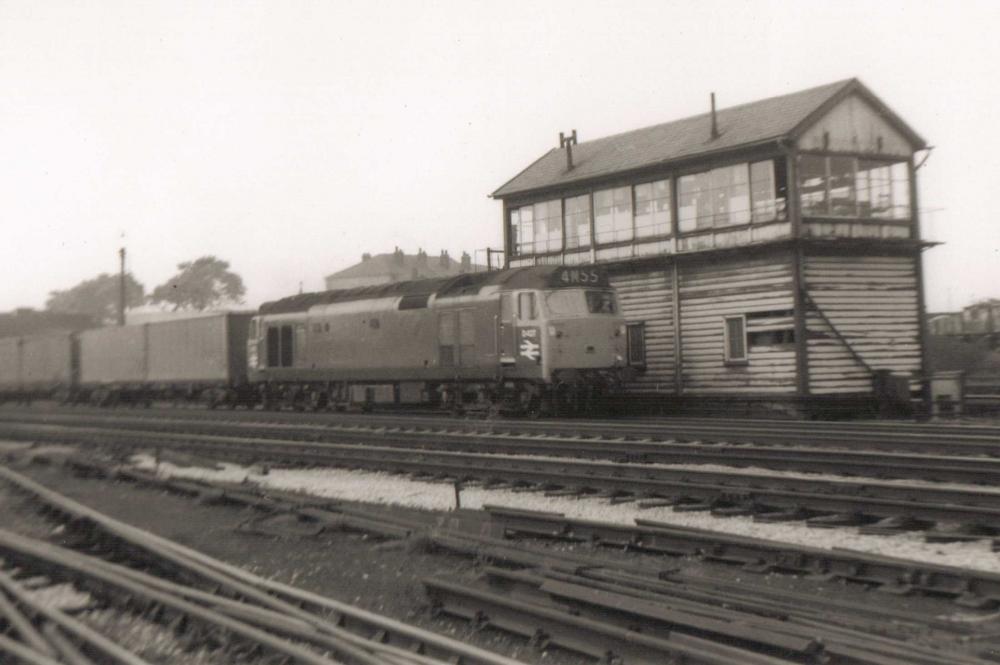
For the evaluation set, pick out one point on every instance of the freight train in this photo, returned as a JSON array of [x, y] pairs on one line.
[[545, 339]]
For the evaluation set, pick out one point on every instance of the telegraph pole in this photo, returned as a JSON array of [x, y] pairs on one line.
[[121, 287]]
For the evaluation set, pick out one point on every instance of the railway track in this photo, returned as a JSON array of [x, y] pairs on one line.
[[632, 613], [212, 605], [928, 438], [769, 496], [974, 469]]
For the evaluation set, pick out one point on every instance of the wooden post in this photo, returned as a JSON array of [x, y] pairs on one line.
[[678, 354], [121, 287], [506, 235], [794, 213], [918, 259]]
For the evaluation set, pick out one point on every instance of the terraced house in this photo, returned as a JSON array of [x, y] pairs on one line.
[[766, 255]]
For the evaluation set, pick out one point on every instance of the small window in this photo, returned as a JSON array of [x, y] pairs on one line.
[[506, 308], [736, 339], [373, 324], [636, 340], [771, 338], [601, 302], [526, 306], [414, 301], [286, 346], [273, 347]]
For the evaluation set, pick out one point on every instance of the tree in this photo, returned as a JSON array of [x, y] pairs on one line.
[[201, 284], [97, 297]]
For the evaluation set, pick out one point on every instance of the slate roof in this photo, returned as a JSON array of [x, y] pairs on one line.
[[740, 126], [402, 266]]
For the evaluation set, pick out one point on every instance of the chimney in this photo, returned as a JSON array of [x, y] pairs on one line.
[[568, 142], [421, 257], [466, 263], [715, 124], [398, 255], [445, 260], [365, 257]]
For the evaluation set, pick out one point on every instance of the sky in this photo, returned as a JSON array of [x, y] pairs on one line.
[[289, 137]]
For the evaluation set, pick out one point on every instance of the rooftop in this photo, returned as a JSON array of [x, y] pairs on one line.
[[741, 126]]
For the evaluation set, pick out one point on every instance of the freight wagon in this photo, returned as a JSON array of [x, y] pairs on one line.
[[201, 357], [37, 366]]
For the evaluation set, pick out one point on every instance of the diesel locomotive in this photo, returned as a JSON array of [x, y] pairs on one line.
[[541, 339], [545, 339]]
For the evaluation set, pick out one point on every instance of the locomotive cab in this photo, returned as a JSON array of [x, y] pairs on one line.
[[567, 335]]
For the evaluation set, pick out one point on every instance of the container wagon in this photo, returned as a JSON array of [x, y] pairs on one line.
[[201, 358], [38, 366]]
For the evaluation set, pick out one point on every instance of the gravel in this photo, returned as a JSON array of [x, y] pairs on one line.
[[383, 488]]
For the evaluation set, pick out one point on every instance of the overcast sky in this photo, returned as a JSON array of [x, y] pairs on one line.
[[289, 137]]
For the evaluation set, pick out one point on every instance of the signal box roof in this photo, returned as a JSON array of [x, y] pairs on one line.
[[743, 126]]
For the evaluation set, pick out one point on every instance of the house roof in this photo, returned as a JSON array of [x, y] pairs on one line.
[[403, 265], [742, 126]]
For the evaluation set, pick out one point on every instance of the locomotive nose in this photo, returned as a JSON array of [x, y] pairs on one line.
[[585, 343]]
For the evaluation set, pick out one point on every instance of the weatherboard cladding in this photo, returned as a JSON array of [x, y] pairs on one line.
[[739, 126]]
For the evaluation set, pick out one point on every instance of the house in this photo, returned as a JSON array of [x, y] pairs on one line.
[[767, 255], [399, 267]]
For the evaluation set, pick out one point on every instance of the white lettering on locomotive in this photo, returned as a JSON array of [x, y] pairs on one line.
[[578, 276], [528, 347]]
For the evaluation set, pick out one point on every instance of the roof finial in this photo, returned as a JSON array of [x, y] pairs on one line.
[[715, 125]]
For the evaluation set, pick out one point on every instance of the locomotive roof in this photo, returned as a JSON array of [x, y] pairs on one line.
[[443, 287]]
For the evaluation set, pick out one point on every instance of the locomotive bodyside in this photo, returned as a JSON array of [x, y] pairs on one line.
[[507, 338]]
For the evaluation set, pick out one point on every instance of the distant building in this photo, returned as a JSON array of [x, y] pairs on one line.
[[399, 267], [980, 320], [27, 321]]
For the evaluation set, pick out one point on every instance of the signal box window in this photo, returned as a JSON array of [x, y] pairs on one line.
[[636, 341], [526, 306], [736, 339]]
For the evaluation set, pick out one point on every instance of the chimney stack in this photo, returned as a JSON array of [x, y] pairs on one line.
[[421, 257], [568, 142], [715, 125], [445, 260], [398, 255], [466, 263], [365, 257]]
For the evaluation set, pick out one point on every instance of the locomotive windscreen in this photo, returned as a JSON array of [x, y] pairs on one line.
[[577, 302]]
